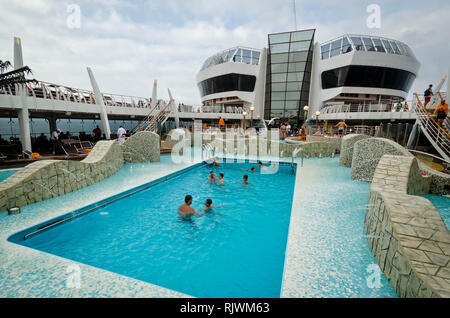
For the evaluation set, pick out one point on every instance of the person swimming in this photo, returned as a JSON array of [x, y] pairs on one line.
[[185, 211], [253, 169], [221, 180], [244, 180], [213, 161], [267, 169], [209, 206], [212, 177]]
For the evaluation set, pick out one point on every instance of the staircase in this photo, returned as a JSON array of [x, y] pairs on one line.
[[145, 122], [438, 136], [160, 118]]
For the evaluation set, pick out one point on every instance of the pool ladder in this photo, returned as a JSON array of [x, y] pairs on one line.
[[296, 151]]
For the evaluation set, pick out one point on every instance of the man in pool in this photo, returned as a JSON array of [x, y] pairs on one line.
[[244, 180], [185, 211], [253, 169], [209, 206], [212, 177]]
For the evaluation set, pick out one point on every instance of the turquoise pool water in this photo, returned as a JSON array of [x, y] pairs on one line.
[[5, 174], [442, 204], [234, 251]]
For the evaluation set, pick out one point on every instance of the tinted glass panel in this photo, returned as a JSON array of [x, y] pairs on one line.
[[278, 96], [302, 36], [292, 95], [279, 38], [279, 77], [226, 83], [279, 68], [279, 48], [369, 44], [292, 104], [298, 56], [278, 87], [293, 86], [279, 58], [336, 47], [394, 46], [300, 46], [237, 57], [387, 46], [246, 59], [346, 46], [368, 76], [295, 77], [325, 49], [358, 43], [278, 104], [297, 67], [378, 46]]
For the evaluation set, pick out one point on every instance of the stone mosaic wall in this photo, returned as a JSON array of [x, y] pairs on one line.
[[347, 146], [368, 152], [45, 179], [406, 233], [283, 150], [142, 147], [336, 141]]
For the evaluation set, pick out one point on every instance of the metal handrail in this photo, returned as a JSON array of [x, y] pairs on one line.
[[438, 136]]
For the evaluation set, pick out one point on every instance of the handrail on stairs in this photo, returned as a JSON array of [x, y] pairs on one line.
[[429, 116]]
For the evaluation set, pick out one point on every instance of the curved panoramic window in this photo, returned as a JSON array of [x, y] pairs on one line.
[[368, 76], [227, 83]]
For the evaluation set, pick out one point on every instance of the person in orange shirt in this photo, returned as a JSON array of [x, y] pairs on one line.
[[441, 112], [221, 123]]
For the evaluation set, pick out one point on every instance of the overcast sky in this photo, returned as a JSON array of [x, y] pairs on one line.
[[128, 44]]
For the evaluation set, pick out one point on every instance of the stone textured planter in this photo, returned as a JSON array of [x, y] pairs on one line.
[[406, 233], [142, 147], [347, 146], [46, 179]]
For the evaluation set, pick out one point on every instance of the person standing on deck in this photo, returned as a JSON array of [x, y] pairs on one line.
[[341, 125], [97, 133], [121, 132], [428, 93], [441, 112], [221, 123], [55, 140]]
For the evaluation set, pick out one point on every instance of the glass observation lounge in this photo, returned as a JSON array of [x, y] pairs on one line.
[[348, 43], [236, 55]]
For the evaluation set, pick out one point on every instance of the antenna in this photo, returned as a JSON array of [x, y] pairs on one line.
[[295, 15]]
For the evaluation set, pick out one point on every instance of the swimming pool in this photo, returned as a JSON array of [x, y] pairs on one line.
[[5, 174], [234, 251]]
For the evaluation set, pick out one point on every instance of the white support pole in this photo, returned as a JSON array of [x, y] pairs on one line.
[[154, 94], [174, 109], [100, 104], [448, 85], [21, 90]]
